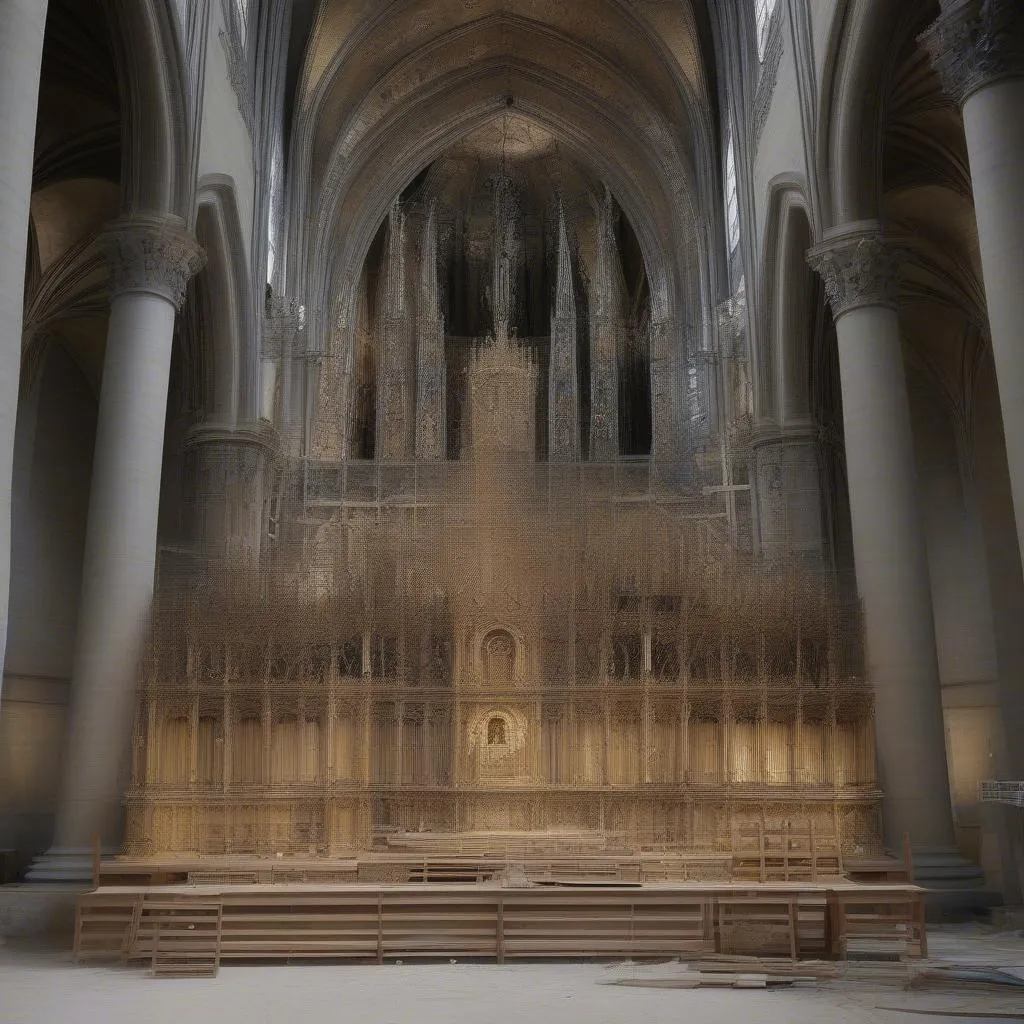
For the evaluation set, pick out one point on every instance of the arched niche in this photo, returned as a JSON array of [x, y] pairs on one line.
[[497, 731], [798, 302], [792, 297], [227, 318], [498, 746], [499, 655]]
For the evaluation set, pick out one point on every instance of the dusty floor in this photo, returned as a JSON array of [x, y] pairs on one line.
[[39, 986]]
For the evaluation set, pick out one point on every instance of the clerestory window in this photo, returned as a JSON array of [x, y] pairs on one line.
[[732, 202], [240, 21], [763, 12]]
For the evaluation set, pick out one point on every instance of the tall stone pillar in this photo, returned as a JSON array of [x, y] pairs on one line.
[[228, 473], [977, 46], [282, 321], [152, 260], [670, 440], [21, 52], [394, 370], [787, 491], [860, 269]]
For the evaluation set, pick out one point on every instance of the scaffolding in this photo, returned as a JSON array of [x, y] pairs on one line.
[[1003, 793], [502, 665], [506, 657]]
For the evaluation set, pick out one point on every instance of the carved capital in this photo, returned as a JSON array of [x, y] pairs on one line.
[[859, 268], [975, 43], [151, 254]]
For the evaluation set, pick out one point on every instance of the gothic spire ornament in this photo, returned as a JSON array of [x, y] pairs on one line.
[[607, 327], [430, 375], [563, 379]]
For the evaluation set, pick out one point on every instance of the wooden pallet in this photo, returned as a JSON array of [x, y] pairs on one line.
[[765, 926], [578, 923], [307, 925], [183, 936], [785, 854], [873, 925], [103, 926]]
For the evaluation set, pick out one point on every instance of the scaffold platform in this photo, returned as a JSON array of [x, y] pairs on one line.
[[1003, 793]]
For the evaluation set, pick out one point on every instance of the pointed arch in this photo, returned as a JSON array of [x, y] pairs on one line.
[[156, 173], [229, 318], [786, 328], [859, 61]]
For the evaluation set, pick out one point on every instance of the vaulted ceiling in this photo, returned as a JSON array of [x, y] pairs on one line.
[[624, 86], [927, 197]]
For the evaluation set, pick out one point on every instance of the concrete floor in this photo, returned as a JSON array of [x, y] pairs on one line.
[[42, 986]]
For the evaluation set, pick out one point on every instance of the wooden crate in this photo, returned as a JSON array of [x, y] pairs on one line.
[[184, 937], [103, 925], [885, 921]]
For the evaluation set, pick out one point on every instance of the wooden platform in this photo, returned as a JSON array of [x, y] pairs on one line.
[[380, 922], [428, 866]]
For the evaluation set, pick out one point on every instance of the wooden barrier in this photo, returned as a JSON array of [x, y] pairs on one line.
[[183, 937], [874, 923], [381, 922]]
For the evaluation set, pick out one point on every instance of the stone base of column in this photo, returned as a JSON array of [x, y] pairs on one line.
[[786, 480], [65, 864], [227, 468], [956, 887]]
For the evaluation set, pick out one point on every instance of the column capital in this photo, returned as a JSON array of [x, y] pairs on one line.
[[860, 266], [150, 253], [239, 435], [976, 43]]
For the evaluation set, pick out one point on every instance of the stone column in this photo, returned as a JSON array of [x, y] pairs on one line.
[[21, 52], [977, 46], [228, 472], [152, 260], [670, 440], [281, 323], [787, 491], [395, 368], [859, 266]]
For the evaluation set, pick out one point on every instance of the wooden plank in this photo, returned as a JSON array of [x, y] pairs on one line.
[[389, 921]]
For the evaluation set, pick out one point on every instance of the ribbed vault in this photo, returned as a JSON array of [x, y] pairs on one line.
[[386, 89]]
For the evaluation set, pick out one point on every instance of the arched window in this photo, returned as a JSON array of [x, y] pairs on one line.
[[497, 732], [499, 657], [627, 656], [275, 212], [732, 203], [763, 12], [240, 21]]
